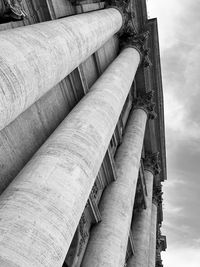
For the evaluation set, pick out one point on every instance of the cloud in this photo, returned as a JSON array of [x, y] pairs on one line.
[[184, 257], [179, 28]]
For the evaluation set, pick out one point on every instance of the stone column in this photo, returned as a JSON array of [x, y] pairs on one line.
[[108, 241], [152, 242], [35, 58], [142, 219], [41, 208]]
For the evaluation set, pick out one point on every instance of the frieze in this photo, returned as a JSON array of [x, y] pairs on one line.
[[145, 102]]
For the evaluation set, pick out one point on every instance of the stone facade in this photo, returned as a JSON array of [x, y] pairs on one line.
[[81, 134]]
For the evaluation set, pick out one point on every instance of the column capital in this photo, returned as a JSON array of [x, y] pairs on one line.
[[123, 6], [145, 102], [129, 37], [151, 163], [137, 40]]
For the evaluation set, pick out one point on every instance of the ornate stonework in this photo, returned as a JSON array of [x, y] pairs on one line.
[[83, 233], [138, 41], [127, 14], [151, 163], [145, 102], [157, 194]]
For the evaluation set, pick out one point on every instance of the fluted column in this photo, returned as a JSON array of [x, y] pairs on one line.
[[41, 208], [142, 219], [35, 58], [152, 242], [108, 241]]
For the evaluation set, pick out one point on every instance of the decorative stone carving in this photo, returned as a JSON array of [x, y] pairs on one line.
[[94, 191], [130, 38], [157, 194], [137, 40], [127, 15], [12, 10], [146, 62], [83, 233], [151, 162], [145, 102]]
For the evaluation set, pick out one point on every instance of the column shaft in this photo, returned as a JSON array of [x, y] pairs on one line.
[[35, 58], [41, 208], [152, 242], [141, 228], [108, 241]]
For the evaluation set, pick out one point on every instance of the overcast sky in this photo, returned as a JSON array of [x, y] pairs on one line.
[[179, 34]]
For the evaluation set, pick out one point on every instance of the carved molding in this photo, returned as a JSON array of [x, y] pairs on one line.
[[145, 102], [151, 163]]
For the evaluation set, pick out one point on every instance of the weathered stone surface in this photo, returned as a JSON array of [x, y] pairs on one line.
[[141, 228], [35, 58], [108, 241], [41, 208], [152, 241]]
